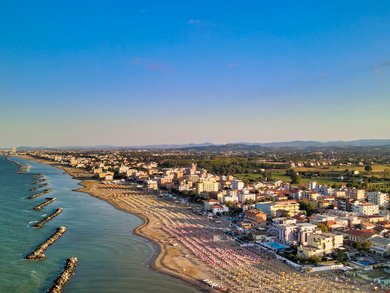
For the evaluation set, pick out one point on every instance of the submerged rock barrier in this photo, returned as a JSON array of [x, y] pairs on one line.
[[45, 203], [40, 194], [38, 253], [65, 276], [48, 218], [38, 187]]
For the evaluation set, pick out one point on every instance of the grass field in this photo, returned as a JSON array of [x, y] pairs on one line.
[[376, 168], [280, 174], [329, 174], [328, 180]]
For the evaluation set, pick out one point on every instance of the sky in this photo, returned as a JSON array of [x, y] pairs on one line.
[[156, 72]]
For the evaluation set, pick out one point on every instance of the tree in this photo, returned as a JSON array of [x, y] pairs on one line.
[[323, 227], [283, 213], [235, 211], [295, 178], [290, 172], [341, 256], [368, 168], [366, 245], [386, 173], [314, 259], [308, 206]]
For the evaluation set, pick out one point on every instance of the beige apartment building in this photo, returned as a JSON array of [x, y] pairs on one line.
[[207, 186]]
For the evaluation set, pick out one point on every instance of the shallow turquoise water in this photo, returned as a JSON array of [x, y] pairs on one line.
[[111, 258]]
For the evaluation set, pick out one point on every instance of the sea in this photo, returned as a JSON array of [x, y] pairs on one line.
[[111, 258]]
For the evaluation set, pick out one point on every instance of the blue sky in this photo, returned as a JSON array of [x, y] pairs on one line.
[[146, 72]]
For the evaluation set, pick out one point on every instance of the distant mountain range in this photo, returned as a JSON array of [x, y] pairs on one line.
[[113, 147], [335, 143], [232, 146]]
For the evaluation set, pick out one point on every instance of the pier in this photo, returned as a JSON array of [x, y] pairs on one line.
[[45, 203], [65, 276], [40, 194], [40, 224], [39, 252]]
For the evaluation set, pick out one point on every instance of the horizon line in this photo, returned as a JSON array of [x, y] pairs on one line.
[[200, 143]]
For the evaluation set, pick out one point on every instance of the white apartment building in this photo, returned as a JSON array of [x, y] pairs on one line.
[[380, 245], [152, 184], [303, 231], [244, 197], [237, 184], [287, 233], [365, 209], [358, 194], [321, 244], [378, 198], [230, 198], [312, 185]]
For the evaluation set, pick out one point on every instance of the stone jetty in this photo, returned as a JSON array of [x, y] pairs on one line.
[[38, 187], [65, 276], [39, 181], [38, 253], [48, 218], [40, 194], [37, 176], [45, 203]]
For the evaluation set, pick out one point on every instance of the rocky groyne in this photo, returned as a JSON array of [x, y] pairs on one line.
[[45, 203], [65, 276], [37, 176], [39, 181], [40, 194], [39, 252], [38, 187], [40, 224]]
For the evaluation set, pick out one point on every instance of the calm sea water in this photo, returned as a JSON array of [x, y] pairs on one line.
[[111, 258]]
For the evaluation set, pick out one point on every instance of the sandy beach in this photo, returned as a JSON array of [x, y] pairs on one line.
[[191, 248]]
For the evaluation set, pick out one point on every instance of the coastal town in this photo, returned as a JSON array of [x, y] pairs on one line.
[[238, 235], [195, 146]]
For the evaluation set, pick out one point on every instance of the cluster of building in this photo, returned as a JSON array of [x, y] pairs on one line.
[[269, 210]]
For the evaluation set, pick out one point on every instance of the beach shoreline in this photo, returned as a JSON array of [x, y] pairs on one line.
[[159, 251], [189, 247]]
